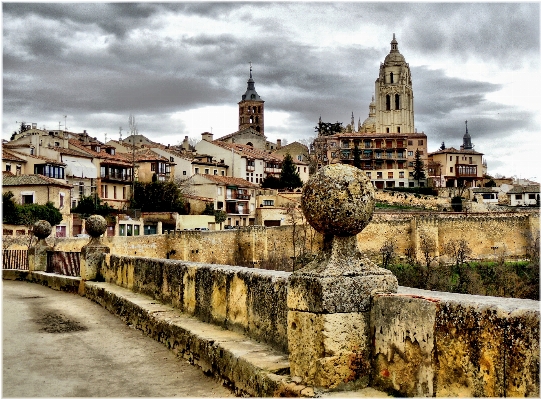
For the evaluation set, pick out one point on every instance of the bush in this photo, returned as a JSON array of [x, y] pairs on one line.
[[28, 214]]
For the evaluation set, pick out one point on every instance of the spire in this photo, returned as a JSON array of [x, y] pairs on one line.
[[250, 93], [466, 141], [394, 44]]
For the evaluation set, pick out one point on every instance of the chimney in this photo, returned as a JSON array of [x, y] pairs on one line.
[[278, 144], [206, 136], [185, 144]]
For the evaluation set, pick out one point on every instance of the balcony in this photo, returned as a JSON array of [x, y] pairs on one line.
[[115, 177], [238, 197], [466, 170], [250, 168]]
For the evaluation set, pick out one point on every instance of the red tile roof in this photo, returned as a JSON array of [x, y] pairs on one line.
[[10, 156], [230, 181], [32, 180], [40, 157]]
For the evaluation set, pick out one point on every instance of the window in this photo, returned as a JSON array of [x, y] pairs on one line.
[[61, 200], [379, 175], [518, 196], [410, 153], [401, 175], [398, 130], [451, 169], [183, 173], [387, 102], [31, 151], [268, 202], [531, 196], [387, 130], [219, 205], [411, 184], [103, 191], [171, 159], [401, 184], [196, 171], [215, 172], [392, 77], [114, 192], [450, 158], [135, 229], [123, 192], [207, 171], [129, 230], [396, 101], [27, 197], [421, 142], [299, 157], [410, 142], [369, 175], [81, 189], [421, 152], [8, 168], [219, 191], [223, 172], [153, 167], [389, 175]]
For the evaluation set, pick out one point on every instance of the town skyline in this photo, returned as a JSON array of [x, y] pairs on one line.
[[181, 69]]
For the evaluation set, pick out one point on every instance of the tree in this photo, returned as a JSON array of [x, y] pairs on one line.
[[289, 177], [458, 250], [427, 245], [490, 183], [356, 155], [158, 197], [219, 216], [9, 209], [271, 182], [328, 129], [387, 252], [28, 214], [418, 167], [91, 205]]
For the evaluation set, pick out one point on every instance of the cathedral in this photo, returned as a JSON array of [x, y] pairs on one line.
[[384, 145]]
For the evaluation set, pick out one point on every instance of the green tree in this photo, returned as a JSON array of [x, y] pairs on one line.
[[356, 155], [418, 167], [158, 196], [10, 213], [92, 205], [289, 177], [327, 128], [271, 182]]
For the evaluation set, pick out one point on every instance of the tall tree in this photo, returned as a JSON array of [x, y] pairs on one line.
[[356, 155], [158, 197], [327, 128], [289, 177], [418, 167]]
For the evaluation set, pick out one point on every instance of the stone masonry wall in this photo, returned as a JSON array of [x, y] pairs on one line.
[[237, 298], [249, 245]]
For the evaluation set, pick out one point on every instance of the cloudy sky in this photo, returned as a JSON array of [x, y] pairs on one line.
[[181, 68]]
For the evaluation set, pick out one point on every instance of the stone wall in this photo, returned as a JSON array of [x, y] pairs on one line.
[[424, 343], [237, 298], [252, 244]]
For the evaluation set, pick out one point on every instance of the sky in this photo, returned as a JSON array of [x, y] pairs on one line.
[[181, 68]]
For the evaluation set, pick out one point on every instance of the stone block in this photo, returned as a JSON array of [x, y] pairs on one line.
[[318, 294], [329, 350], [404, 349]]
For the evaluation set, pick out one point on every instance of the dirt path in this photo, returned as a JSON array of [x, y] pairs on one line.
[[59, 344]]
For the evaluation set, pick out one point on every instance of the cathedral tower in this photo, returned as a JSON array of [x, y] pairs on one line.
[[394, 94], [251, 109]]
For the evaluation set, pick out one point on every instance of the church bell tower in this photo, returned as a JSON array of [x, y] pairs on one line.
[[251, 109], [394, 94]]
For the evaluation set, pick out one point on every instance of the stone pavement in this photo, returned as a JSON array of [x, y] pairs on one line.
[[62, 345]]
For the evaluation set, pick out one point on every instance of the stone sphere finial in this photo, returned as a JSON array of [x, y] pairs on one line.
[[42, 229], [95, 226], [338, 200]]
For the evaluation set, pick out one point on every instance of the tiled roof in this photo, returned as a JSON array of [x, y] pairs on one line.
[[196, 197], [148, 155], [9, 156], [40, 157], [107, 158], [230, 181], [31, 180], [524, 189], [248, 151], [452, 150], [69, 151], [237, 132]]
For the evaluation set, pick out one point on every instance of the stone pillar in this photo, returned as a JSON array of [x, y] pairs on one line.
[[93, 254], [329, 300], [159, 228], [37, 255]]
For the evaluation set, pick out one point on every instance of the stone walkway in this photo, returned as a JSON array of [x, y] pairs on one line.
[[61, 345]]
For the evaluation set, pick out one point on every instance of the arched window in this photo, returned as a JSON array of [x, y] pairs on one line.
[[257, 119], [398, 129], [259, 109], [251, 119], [396, 101], [254, 109], [387, 102], [392, 77]]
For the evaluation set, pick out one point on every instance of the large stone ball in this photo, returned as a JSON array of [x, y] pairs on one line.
[[95, 225], [338, 200], [42, 229]]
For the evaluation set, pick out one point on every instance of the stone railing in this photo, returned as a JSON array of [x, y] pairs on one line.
[[343, 321]]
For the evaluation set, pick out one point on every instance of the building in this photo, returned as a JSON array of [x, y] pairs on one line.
[[524, 195], [234, 196], [12, 163], [39, 189], [384, 146], [464, 167]]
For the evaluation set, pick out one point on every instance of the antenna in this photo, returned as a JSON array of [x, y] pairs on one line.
[[120, 133], [65, 118], [105, 138]]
